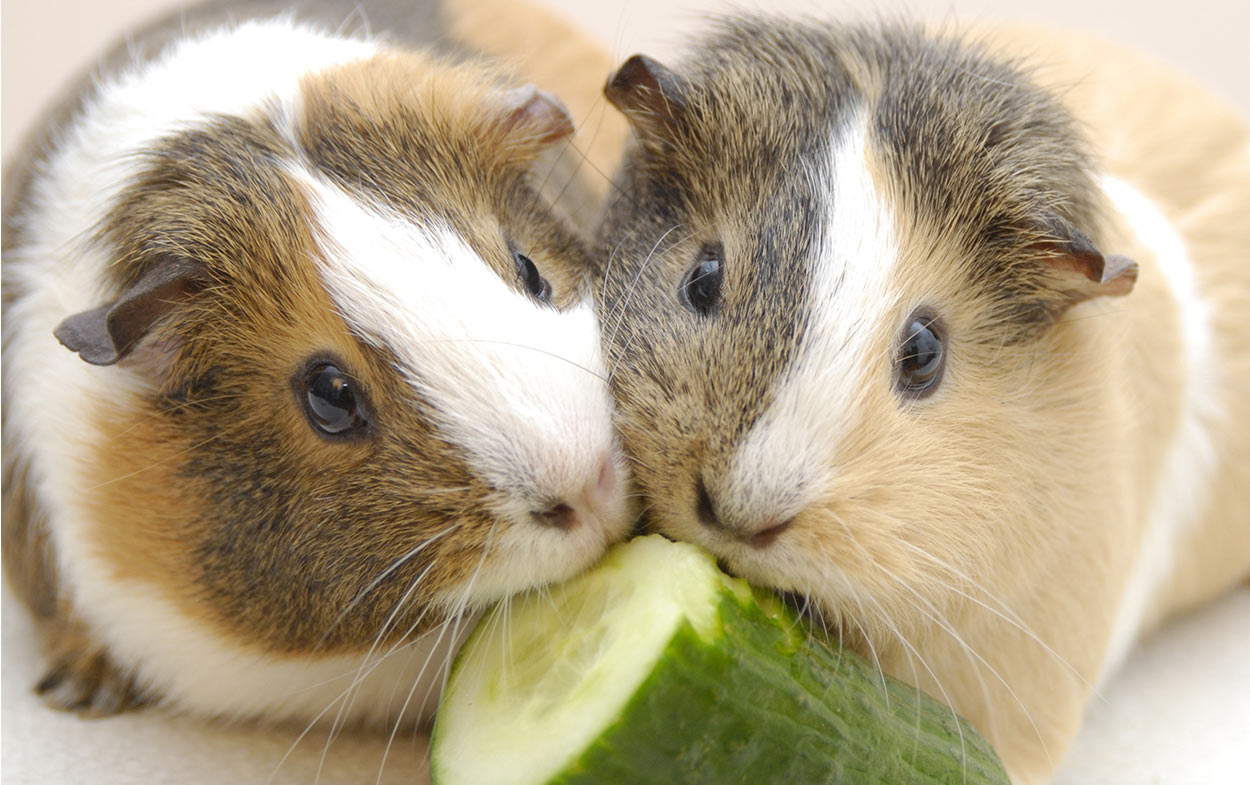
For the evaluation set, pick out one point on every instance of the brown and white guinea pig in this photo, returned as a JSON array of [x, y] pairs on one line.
[[887, 333], [335, 382]]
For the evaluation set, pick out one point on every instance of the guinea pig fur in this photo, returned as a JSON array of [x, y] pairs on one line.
[[868, 349], [342, 383]]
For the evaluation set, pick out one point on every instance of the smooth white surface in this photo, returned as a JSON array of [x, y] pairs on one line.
[[1178, 712]]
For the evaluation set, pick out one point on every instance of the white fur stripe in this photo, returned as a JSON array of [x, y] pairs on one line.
[[783, 461], [516, 384], [1190, 462]]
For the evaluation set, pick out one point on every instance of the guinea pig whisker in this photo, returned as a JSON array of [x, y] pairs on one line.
[[912, 655], [568, 145], [612, 256], [388, 626], [957, 638], [171, 408], [862, 612], [357, 12], [511, 344], [408, 700], [1010, 616], [634, 460], [1102, 313], [462, 606], [440, 491], [984, 77], [396, 564], [600, 105], [885, 619], [872, 650], [505, 616], [633, 285], [345, 698], [167, 459], [463, 603], [933, 614], [312, 723], [365, 669]]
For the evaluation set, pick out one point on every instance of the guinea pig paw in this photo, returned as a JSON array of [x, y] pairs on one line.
[[87, 682]]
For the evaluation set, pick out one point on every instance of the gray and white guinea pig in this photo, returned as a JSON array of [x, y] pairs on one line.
[[889, 333], [335, 383]]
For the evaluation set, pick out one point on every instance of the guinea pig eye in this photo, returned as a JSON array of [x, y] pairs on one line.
[[921, 357], [700, 289], [330, 401], [533, 282]]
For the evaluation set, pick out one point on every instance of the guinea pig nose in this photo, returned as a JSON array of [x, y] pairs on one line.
[[560, 516], [769, 535], [704, 508], [759, 534], [601, 488]]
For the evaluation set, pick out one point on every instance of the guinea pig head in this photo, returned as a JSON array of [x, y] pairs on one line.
[[354, 388], [833, 294]]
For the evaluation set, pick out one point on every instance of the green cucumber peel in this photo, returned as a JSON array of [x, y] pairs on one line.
[[656, 667]]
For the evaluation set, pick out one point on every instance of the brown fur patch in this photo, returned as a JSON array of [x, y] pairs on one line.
[[428, 138]]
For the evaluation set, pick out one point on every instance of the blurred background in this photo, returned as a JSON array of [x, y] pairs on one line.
[[45, 42]]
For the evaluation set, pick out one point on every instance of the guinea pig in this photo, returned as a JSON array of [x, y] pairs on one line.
[[331, 380], [955, 358]]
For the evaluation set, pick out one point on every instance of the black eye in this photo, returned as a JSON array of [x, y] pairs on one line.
[[700, 289], [921, 357], [330, 401], [535, 283]]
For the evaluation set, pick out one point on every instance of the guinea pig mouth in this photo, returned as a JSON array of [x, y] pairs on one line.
[[806, 608], [810, 614]]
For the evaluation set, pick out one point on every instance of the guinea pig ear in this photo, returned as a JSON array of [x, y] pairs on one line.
[[527, 120], [1078, 271], [651, 96], [104, 335]]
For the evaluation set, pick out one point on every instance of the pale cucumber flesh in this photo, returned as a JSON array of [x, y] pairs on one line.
[[657, 668]]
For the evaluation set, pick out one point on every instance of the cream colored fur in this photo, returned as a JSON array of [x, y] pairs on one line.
[[1176, 154]]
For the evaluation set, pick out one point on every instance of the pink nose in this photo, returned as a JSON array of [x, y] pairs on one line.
[[594, 499], [601, 489], [766, 537]]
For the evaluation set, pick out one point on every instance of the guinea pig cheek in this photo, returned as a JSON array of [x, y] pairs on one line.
[[138, 456]]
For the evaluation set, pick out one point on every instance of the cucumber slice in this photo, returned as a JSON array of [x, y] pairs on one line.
[[656, 667]]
